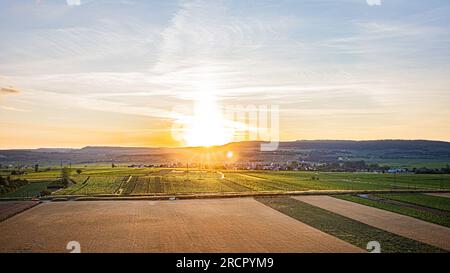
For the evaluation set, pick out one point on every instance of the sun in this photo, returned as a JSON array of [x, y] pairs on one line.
[[207, 127]]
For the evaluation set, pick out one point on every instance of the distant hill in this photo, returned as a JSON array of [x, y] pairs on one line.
[[397, 152], [370, 145], [354, 145]]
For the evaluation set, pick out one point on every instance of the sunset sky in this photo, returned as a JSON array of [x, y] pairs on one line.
[[117, 72]]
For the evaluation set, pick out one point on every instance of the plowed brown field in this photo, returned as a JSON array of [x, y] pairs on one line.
[[219, 225], [10, 208]]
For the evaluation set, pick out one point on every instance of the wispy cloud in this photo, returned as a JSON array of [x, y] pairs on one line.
[[198, 48], [14, 109], [73, 2], [374, 2], [9, 90]]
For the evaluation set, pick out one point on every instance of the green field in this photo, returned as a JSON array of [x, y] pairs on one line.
[[177, 182], [352, 181], [409, 163], [99, 180], [30, 190], [435, 202], [160, 181], [87, 185]]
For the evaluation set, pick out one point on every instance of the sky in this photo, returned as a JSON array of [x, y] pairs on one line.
[[75, 73]]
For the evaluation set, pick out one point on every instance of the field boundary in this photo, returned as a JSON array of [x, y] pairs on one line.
[[163, 196], [387, 200], [19, 211]]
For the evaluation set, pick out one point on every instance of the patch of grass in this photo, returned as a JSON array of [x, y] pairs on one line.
[[194, 182], [435, 202], [352, 231], [30, 190], [94, 185], [422, 215], [131, 185], [252, 181], [295, 180]]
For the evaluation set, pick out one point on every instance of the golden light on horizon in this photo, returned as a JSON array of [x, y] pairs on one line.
[[207, 127]]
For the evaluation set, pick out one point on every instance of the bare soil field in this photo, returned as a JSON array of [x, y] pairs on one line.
[[406, 226], [219, 225], [10, 208]]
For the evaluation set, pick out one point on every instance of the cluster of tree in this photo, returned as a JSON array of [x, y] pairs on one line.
[[45, 192], [295, 165], [5, 181], [14, 172], [65, 176], [445, 170], [64, 181], [351, 166], [9, 185]]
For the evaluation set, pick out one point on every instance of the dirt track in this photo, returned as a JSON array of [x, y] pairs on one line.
[[220, 225], [406, 226], [447, 194]]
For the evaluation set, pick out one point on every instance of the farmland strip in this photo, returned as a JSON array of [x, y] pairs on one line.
[[389, 201], [352, 231], [125, 180], [402, 225]]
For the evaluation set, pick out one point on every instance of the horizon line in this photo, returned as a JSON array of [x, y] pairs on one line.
[[233, 142]]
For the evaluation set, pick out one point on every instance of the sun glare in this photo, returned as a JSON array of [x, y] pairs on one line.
[[207, 127]]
